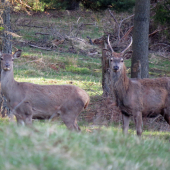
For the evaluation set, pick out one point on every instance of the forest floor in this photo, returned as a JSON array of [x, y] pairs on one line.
[[57, 49]]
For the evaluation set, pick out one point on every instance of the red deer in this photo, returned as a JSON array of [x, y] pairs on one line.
[[28, 100], [138, 97]]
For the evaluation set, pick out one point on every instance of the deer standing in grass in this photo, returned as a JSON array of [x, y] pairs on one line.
[[28, 100], [138, 97]]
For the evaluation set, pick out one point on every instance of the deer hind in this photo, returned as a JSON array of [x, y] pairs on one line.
[[28, 100], [138, 97]]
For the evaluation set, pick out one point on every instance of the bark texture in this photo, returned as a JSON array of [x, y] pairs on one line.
[[105, 72], [140, 39], [6, 46], [7, 37]]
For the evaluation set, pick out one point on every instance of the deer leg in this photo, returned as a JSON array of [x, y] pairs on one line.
[[138, 122], [70, 121], [126, 120], [76, 125], [19, 118], [69, 113], [165, 114], [67, 121], [24, 114]]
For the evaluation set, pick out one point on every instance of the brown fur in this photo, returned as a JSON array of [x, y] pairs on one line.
[[28, 100], [137, 97]]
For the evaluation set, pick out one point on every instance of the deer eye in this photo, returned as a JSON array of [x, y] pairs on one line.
[[111, 59], [121, 60], [1, 58]]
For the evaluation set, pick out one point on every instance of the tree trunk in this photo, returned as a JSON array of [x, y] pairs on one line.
[[105, 72], [6, 46], [140, 39], [7, 37], [6, 43]]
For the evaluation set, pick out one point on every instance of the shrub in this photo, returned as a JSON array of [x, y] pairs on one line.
[[162, 11], [120, 5], [61, 4]]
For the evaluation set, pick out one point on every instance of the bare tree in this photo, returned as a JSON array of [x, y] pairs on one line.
[[140, 38], [6, 46]]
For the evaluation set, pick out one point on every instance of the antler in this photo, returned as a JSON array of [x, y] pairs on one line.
[[127, 46], [109, 44]]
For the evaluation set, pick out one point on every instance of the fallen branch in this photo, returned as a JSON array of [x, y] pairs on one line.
[[164, 44], [32, 26], [42, 33], [154, 32], [113, 16], [127, 33], [42, 48], [11, 33], [36, 61], [120, 24], [155, 118]]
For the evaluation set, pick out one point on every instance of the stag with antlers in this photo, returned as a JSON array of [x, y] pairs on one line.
[[138, 97]]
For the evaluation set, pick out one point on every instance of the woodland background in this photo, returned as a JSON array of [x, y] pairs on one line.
[[62, 43]]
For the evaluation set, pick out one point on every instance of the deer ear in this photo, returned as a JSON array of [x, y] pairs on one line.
[[17, 54], [127, 55]]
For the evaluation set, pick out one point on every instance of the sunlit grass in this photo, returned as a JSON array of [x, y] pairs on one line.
[[92, 88]]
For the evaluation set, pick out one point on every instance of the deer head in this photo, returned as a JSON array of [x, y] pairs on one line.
[[7, 60], [117, 59]]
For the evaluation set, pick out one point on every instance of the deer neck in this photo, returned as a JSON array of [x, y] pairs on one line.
[[121, 83], [7, 82]]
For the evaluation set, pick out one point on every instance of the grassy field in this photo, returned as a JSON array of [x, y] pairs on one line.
[[49, 145], [46, 68]]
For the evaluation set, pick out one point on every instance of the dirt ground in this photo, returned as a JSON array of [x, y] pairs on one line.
[[102, 111]]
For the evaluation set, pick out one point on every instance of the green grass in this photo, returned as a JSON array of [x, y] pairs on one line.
[[34, 66], [51, 146]]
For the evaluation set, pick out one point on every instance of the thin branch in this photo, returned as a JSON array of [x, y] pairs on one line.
[[113, 16], [164, 44], [42, 33], [127, 33], [155, 118], [24, 4], [42, 48], [120, 24], [11, 33], [78, 20], [33, 26]]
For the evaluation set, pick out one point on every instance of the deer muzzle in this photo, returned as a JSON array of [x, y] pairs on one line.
[[6, 67], [115, 68]]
